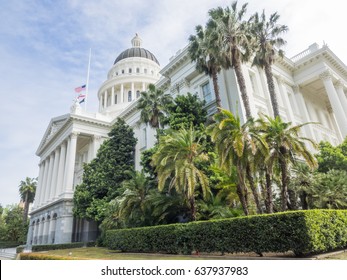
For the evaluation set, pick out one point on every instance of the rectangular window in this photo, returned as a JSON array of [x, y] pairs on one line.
[[115, 99], [129, 96], [206, 92]]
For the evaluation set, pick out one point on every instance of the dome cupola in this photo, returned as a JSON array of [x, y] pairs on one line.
[[136, 51]]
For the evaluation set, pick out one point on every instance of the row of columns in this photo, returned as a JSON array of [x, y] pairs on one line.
[[336, 97], [337, 100], [42, 231], [104, 101], [57, 171]]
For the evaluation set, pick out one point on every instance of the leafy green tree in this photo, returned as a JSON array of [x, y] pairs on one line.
[[204, 51], [176, 161], [215, 208], [286, 146], [16, 230], [186, 111], [301, 184], [133, 207], [168, 207], [235, 144], [103, 176], [330, 190], [332, 157], [27, 189], [233, 42], [153, 105], [267, 43]]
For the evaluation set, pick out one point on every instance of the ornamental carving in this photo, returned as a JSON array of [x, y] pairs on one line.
[[326, 75]]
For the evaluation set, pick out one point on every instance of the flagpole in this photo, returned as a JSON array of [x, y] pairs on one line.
[[87, 84]]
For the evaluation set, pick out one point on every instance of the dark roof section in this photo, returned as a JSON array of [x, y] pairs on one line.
[[136, 52]]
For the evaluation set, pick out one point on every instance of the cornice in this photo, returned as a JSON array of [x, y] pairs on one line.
[[181, 57]]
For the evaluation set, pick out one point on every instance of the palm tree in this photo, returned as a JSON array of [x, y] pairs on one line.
[[27, 189], [152, 105], [176, 161], [285, 146], [235, 145], [204, 52], [267, 43], [133, 208], [233, 42]]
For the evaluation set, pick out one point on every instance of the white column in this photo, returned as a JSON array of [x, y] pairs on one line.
[[335, 102], [70, 162], [105, 99], [342, 96], [112, 96], [40, 232], [45, 231], [39, 185], [54, 175], [288, 106], [143, 86], [121, 93], [43, 183], [132, 91], [100, 103], [303, 110], [50, 230], [61, 167], [30, 236], [36, 232], [49, 178], [94, 145]]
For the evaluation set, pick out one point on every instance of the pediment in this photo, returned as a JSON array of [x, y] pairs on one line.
[[53, 128]]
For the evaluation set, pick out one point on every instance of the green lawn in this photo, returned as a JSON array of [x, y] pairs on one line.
[[107, 254]]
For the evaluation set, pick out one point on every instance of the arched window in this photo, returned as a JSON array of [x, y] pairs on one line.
[[129, 96], [123, 71], [130, 70], [137, 70], [137, 94], [145, 70]]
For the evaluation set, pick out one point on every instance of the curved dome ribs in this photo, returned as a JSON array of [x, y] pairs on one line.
[[136, 52]]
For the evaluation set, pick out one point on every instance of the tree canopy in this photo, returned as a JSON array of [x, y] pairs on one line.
[[103, 176]]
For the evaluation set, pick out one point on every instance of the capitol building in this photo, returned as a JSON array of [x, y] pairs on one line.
[[311, 87]]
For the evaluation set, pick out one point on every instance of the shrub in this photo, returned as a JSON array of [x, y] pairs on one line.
[[9, 244], [38, 248], [302, 232]]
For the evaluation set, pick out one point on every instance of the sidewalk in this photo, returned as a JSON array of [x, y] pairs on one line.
[[8, 254]]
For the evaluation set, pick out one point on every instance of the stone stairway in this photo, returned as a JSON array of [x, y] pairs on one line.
[[9, 253]]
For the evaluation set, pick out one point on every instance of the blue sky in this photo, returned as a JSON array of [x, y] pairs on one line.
[[44, 46]]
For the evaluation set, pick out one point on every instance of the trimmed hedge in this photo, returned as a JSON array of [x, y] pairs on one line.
[[9, 244], [303, 232], [48, 247]]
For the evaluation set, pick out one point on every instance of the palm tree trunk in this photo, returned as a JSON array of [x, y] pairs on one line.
[[216, 89], [271, 87], [242, 191], [254, 189], [242, 86], [269, 200], [192, 208], [284, 178], [26, 208]]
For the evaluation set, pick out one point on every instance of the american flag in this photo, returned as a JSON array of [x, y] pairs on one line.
[[79, 89]]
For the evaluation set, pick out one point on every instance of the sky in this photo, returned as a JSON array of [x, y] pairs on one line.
[[44, 49]]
